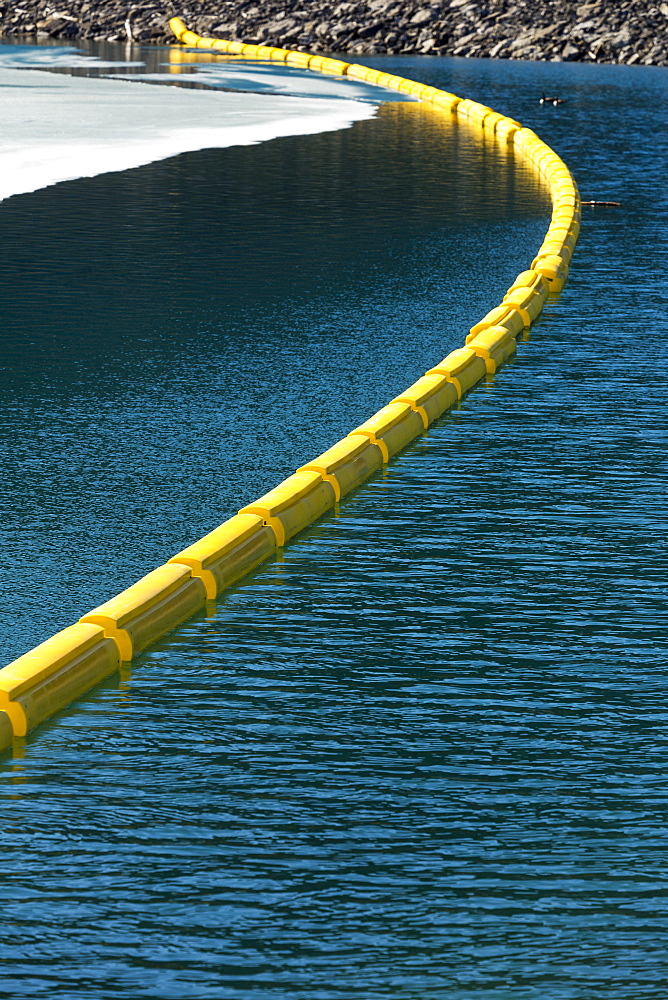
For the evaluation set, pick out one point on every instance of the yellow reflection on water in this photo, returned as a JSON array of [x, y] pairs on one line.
[[179, 58]]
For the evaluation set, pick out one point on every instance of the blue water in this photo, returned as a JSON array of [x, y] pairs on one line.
[[422, 754]]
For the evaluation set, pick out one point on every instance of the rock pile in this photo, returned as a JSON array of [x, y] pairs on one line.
[[622, 31]]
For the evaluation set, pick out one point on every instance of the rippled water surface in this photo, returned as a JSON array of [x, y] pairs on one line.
[[422, 755]]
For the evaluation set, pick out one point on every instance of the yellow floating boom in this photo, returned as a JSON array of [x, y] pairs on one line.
[[52, 675]]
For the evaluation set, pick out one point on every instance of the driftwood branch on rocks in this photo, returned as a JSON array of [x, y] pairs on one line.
[[618, 31]]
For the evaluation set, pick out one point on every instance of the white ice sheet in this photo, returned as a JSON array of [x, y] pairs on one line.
[[56, 128]]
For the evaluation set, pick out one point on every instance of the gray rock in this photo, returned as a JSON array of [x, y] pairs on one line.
[[570, 52], [501, 48], [630, 31], [622, 39], [424, 16], [284, 26]]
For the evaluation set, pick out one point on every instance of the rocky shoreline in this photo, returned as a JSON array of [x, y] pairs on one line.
[[605, 31]]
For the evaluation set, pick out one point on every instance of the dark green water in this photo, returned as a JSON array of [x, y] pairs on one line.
[[424, 754]]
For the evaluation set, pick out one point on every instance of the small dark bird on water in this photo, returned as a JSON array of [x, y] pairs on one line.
[[551, 100]]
